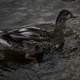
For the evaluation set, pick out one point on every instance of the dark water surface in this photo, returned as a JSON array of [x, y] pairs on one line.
[[17, 13], [20, 12]]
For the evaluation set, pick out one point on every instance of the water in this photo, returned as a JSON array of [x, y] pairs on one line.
[[20, 12], [17, 13]]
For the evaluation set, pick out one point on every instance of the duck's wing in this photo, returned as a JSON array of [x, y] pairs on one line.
[[42, 28], [41, 32], [29, 33], [35, 33]]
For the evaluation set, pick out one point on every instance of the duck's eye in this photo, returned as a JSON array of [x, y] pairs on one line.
[[66, 13]]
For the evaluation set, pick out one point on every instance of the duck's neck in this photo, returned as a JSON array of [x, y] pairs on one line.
[[59, 29], [60, 24]]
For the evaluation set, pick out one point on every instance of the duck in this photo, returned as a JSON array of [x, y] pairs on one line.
[[39, 41]]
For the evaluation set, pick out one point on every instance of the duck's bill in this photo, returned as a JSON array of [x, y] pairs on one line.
[[74, 16]]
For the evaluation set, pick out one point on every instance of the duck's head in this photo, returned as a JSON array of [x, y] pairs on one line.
[[63, 16]]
